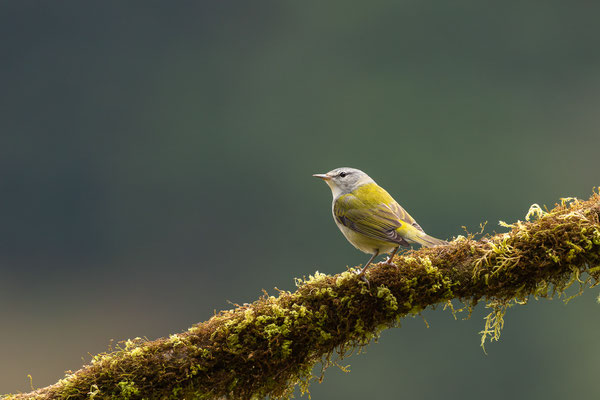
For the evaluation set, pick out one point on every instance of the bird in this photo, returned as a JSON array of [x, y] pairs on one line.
[[370, 219]]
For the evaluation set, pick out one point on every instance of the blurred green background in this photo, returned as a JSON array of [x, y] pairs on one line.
[[156, 161]]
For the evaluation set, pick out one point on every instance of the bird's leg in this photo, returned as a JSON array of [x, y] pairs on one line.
[[391, 257], [362, 271]]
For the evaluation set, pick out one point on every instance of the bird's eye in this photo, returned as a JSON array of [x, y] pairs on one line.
[[343, 174]]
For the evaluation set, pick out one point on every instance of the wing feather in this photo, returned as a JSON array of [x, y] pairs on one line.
[[377, 221], [404, 215]]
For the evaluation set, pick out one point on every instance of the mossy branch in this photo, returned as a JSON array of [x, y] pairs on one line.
[[269, 346]]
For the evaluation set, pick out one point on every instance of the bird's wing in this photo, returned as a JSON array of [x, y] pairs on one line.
[[378, 221], [404, 215]]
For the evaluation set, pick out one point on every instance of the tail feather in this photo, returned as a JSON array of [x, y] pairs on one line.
[[425, 240]]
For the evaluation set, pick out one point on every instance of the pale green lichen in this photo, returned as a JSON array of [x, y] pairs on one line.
[[494, 322], [535, 211]]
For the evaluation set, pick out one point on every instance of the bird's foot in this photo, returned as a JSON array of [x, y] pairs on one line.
[[363, 278], [389, 262]]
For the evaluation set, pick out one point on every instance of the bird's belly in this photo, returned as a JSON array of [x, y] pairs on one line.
[[365, 243]]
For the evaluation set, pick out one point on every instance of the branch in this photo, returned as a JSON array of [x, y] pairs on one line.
[[268, 347]]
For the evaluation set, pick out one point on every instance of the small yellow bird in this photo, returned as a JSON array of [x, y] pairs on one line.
[[369, 217]]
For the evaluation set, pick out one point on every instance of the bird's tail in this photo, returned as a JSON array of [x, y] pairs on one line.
[[424, 239]]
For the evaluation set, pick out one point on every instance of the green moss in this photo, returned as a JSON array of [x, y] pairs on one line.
[[128, 389], [389, 299]]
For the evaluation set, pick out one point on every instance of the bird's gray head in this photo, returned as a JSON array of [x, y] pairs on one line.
[[344, 180]]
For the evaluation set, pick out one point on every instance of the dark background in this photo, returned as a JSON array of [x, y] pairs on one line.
[[156, 161]]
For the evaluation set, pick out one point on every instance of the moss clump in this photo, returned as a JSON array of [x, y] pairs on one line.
[[128, 389], [268, 347]]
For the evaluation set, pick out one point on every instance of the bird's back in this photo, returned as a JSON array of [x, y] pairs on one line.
[[373, 196]]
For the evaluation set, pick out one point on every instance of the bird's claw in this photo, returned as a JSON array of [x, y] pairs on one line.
[[363, 278], [389, 263]]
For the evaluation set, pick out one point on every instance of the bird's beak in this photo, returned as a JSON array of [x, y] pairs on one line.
[[325, 177]]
